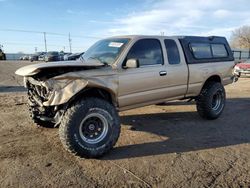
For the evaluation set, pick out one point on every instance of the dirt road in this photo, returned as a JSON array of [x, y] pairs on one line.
[[159, 146]]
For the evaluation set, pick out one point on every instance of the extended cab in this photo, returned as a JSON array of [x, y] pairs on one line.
[[122, 73]]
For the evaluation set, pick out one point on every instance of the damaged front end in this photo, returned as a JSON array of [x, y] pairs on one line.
[[38, 93], [48, 98], [51, 87]]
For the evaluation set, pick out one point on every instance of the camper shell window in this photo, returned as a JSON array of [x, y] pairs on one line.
[[206, 49]]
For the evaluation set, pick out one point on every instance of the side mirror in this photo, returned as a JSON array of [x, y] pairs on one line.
[[132, 63]]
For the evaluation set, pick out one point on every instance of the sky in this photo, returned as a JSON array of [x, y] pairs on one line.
[[24, 21]]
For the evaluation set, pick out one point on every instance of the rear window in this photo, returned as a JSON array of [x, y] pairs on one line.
[[201, 50], [208, 51], [219, 50], [172, 51]]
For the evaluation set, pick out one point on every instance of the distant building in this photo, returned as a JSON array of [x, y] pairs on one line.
[[14, 56]]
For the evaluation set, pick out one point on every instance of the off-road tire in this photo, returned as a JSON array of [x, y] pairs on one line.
[[211, 101], [74, 126]]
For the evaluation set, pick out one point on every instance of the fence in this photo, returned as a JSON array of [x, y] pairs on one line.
[[241, 54]]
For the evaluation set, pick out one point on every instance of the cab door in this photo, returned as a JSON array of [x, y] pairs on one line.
[[146, 83], [177, 69]]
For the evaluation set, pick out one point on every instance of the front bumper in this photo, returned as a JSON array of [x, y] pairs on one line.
[[54, 92], [241, 71]]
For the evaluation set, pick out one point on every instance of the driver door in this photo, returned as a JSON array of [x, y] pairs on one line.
[[147, 83]]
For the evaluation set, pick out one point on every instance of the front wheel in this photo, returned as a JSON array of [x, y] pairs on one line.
[[90, 128], [211, 101]]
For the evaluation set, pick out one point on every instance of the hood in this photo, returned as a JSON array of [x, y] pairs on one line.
[[243, 65], [36, 68]]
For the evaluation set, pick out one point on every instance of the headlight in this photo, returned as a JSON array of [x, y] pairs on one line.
[[237, 68]]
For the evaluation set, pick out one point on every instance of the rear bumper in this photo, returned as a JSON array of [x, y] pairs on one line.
[[229, 80]]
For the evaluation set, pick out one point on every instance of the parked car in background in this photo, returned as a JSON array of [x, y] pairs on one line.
[[66, 55], [61, 55], [242, 68], [2, 55], [41, 57], [35, 56], [52, 56], [25, 57], [75, 56]]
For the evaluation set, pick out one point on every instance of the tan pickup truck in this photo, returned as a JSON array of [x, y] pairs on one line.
[[121, 73]]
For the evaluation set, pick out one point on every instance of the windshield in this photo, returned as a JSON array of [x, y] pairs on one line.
[[52, 53], [106, 51]]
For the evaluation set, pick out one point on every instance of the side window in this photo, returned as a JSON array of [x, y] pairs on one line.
[[172, 52], [219, 50], [147, 52], [201, 50]]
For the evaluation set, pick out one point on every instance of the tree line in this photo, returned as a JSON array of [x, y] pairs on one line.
[[240, 38]]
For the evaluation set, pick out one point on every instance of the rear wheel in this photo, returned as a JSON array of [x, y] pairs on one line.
[[90, 128], [211, 101]]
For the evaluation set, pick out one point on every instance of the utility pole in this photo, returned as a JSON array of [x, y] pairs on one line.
[[45, 42], [70, 50], [35, 49]]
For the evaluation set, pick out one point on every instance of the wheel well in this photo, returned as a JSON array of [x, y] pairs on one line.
[[94, 92], [214, 78]]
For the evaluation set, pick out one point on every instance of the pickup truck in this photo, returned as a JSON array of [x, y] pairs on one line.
[[121, 73]]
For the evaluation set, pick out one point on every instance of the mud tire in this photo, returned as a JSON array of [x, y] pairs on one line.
[[211, 101], [75, 127]]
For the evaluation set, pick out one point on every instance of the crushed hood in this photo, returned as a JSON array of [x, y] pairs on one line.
[[36, 68]]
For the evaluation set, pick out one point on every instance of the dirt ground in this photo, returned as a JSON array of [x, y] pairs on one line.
[[159, 146]]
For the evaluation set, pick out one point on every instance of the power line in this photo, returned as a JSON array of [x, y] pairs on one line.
[[50, 33], [35, 44], [19, 30]]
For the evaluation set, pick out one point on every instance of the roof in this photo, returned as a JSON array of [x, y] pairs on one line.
[[173, 36]]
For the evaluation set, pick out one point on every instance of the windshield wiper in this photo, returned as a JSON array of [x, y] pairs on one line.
[[95, 58]]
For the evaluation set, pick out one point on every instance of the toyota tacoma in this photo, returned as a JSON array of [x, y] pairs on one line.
[[83, 97]]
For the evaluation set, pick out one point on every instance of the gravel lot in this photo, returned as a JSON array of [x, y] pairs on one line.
[[159, 146]]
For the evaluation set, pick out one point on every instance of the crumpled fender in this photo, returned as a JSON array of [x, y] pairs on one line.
[[65, 86]]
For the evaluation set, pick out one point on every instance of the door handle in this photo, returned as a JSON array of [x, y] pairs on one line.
[[163, 73]]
